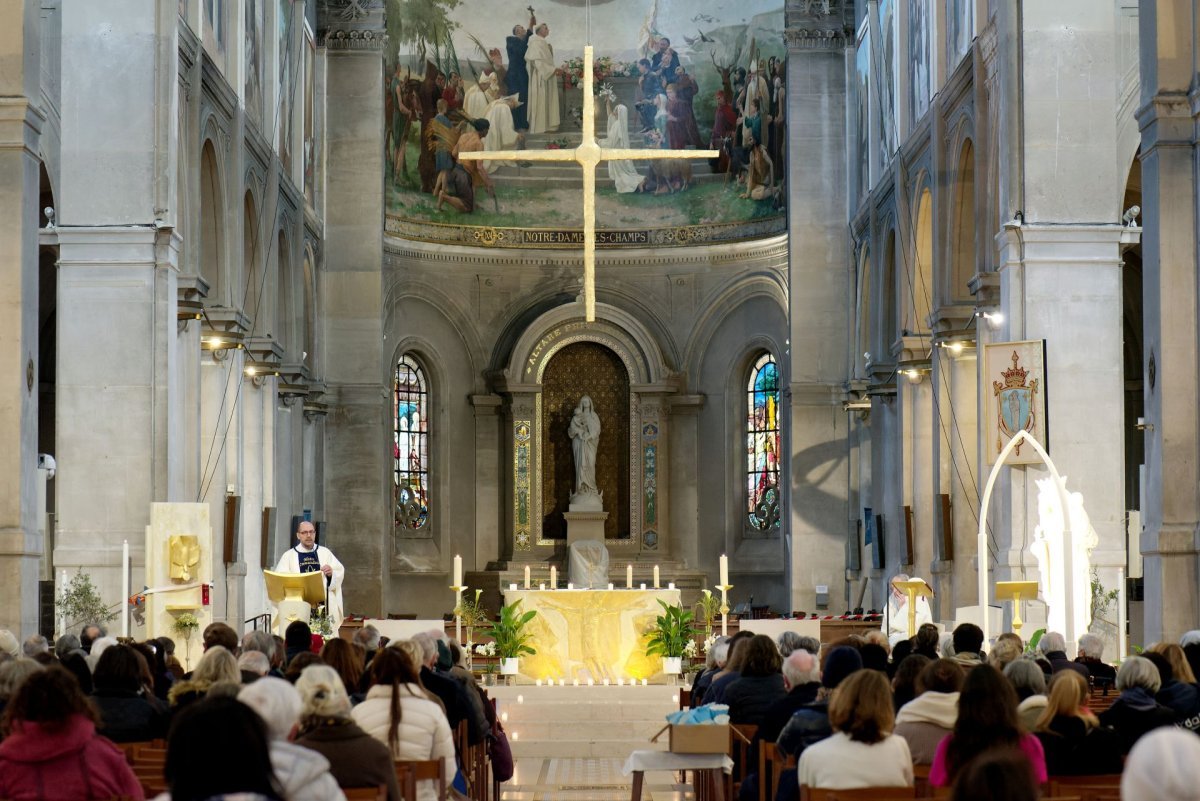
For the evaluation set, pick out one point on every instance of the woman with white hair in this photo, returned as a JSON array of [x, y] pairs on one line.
[[303, 774], [217, 667], [1164, 765], [1135, 711], [356, 758]]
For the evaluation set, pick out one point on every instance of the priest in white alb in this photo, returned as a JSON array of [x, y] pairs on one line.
[[308, 557], [545, 83], [895, 619]]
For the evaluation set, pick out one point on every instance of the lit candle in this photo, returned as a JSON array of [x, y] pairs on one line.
[[526, 576], [520, 699], [541, 585], [675, 698], [562, 682], [724, 570], [620, 681], [553, 577], [570, 586], [539, 682], [575, 682], [610, 586], [512, 587], [656, 577], [591, 682], [644, 682], [643, 585], [670, 585], [629, 577], [504, 717], [516, 736], [606, 682], [457, 571]]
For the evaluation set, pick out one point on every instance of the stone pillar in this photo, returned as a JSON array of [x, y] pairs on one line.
[[359, 490], [489, 478], [1171, 515], [816, 495], [21, 124]]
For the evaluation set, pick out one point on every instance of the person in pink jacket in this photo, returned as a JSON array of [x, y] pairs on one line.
[[51, 751]]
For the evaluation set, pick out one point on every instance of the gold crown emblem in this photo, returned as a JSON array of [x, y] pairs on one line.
[[1015, 376]]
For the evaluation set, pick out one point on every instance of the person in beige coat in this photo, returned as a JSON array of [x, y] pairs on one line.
[[929, 717], [397, 713]]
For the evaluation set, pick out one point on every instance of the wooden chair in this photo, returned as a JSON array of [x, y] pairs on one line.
[[685, 699], [365, 793], [921, 780], [741, 735], [860, 794], [409, 772], [771, 763], [1088, 788]]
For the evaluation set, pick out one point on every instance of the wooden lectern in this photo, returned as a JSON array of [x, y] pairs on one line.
[[1018, 591], [913, 589], [294, 595]]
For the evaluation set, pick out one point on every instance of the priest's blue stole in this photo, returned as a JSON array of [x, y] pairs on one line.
[[309, 563]]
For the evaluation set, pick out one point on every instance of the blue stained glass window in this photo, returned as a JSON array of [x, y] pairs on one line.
[[410, 447], [762, 446]]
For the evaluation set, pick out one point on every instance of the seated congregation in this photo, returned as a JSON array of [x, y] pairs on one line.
[[936, 716], [285, 719]]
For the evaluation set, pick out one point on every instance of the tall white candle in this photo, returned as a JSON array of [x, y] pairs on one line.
[[526, 576], [724, 570], [656, 577], [1121, 644], [553, 577], [457, 571], [629, 577], [125, 588]]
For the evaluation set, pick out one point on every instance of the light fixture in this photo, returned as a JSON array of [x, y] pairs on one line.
[[993, 316], [914, 369]]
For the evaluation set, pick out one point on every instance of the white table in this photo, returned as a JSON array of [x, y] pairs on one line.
[[712, 765]]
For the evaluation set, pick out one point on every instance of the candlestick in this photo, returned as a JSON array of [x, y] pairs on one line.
[[553, 577], [629, 577], [125, 588], [458, 591], [725, 588], [656, 577], [526, 576], [724, 569], [457, 570]]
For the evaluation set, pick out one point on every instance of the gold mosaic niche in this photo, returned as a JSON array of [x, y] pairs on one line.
[[585, 368]]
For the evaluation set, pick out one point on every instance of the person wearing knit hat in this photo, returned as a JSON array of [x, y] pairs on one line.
[[303, 773], [840, 662], [1164, 765], [9, 647]]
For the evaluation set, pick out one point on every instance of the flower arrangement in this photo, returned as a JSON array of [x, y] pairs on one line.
[[691, 650], [319, 622], [183, 626], [488, 650], [602, 68]]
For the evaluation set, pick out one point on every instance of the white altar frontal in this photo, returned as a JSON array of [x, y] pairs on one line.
[[591, 634]]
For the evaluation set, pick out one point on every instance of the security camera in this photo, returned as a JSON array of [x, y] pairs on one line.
[[1131, 215], [46, 462]]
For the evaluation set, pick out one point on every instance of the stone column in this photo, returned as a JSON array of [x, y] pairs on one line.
[[815, 498], [1171, 515], [21, 124], [489, 478]]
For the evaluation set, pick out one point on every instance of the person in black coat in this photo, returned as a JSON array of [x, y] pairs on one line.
[[1073, 739], [518, 74], [760, 687], [1054, 649], [1091, 653], [74, 658], [129, 712], [1135, 711]]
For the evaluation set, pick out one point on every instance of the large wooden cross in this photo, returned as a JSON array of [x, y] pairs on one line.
[[588, 155]]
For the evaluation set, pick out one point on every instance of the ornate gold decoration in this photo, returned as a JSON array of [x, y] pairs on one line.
[[591, 368], [489, 236], [184, 552], [588, 155], [522, 513]]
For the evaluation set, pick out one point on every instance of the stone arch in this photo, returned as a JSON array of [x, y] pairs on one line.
[[919, 300], [309, 311], [963, 245], [248, 291], [719, 304], [863, 311], [283, 327], [212, 225], [615, 328]]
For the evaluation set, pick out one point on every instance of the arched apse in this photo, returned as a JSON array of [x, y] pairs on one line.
[[212, 228], [962, 243]]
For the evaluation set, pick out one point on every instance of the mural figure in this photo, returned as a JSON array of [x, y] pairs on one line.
[[461, 178], [518, 75], [545, 86], [660, 83]]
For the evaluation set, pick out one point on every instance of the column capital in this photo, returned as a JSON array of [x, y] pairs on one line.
[[818, 24], [351, 25]]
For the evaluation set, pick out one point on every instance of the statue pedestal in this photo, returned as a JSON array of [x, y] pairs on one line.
[[585, 526]]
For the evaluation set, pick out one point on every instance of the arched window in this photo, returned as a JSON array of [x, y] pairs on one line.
[[762, 446], [410, 456]]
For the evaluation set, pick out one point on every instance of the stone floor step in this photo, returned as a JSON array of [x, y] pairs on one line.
[[579, 749]]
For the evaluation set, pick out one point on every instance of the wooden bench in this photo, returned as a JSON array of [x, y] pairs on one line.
[[860, 794], [409, 772]]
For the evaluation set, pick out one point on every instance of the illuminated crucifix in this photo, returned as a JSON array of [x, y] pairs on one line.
[[588, 155]]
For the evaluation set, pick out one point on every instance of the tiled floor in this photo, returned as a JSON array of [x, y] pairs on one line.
[[565, 779]]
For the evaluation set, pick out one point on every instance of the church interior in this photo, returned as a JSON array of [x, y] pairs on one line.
[[907, 310]]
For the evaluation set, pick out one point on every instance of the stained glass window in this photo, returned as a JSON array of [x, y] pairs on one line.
[[410, 456], [762, 446]]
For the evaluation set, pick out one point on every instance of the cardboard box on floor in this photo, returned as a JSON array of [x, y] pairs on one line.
[[705, 738]]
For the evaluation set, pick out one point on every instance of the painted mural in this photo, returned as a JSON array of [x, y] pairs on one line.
[[505, 75]]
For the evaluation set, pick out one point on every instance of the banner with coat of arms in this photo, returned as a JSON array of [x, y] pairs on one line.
[[1014, 389]]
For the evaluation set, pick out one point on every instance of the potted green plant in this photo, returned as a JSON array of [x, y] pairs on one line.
[[708, 608], [80, 602], [669, 636], [509, 634]]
